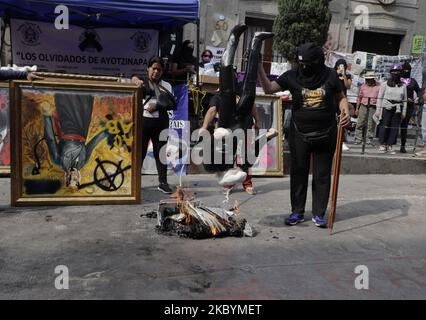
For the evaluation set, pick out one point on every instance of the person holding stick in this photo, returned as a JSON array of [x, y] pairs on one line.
[[315, 89]]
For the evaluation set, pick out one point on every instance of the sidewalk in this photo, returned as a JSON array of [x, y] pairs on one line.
[[114, 253]]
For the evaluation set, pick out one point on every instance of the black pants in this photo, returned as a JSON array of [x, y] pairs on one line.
[[323, 153], [390, 126], [405, 122], [151, 129]]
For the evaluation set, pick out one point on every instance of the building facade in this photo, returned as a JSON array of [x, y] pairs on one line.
[[377, 26]]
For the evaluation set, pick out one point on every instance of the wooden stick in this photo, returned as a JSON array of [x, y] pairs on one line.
[[336, 176], [75, 76]]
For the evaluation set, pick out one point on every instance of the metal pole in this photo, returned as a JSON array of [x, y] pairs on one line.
[[419, 109], [198, 76], [365, 129]]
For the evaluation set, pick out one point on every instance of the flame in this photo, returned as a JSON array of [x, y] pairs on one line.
[[214, 231], [182, 211], [237, 207]]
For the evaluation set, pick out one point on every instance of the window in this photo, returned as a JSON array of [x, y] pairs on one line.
[[268, 54]]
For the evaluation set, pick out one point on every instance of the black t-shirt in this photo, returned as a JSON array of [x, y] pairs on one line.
[[315, 109], [413, 87], [215, 101], [342, 82], [182, 62]]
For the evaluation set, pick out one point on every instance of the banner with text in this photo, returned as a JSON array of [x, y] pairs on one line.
[[101, 51], [178, 142]]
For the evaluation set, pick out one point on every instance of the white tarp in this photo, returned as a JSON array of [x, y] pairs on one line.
[[360, 62], [101, 51]]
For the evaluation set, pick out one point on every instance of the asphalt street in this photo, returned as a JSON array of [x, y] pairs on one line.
[[114, 252]]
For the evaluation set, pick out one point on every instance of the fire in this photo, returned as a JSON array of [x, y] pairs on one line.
[[182, 211], [237, 207], [214, 231]]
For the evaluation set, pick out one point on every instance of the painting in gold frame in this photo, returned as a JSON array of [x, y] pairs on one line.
[[75, 142], [4, 129], [270, 162]]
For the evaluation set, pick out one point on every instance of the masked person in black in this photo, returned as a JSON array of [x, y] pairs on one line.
[[183, 63], [315, 89], [412, 86]]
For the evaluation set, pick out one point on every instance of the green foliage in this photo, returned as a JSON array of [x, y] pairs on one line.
[[298, 22]]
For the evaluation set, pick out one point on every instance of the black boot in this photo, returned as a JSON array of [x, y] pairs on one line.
[[248, 96], [227, 79], [228, 103]]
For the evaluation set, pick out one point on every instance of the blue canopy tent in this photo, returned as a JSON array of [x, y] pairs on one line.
[[162, 15], [156, 14]]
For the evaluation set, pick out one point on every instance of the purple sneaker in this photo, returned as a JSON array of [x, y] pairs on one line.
[[319, 222], [294, 219]]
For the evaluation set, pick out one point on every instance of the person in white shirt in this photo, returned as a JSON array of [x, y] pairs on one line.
[[391, 109]]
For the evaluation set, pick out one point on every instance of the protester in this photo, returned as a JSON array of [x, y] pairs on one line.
[[183, 63], [391, 109], [412, 86], [345, 79], [367, 98], [206, 57], [158, 99], [315, 89]]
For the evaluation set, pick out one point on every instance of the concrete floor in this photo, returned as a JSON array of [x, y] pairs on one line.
[[113, 253]]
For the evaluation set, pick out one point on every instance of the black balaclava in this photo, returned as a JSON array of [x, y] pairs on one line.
[[187, 51], [311, 72], [406, 70]]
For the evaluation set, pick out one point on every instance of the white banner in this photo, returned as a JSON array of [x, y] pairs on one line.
[[101, 51], [217, 53]]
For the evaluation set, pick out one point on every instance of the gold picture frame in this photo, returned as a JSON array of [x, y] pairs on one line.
[[75, 142], [4, 130], [270, 162]]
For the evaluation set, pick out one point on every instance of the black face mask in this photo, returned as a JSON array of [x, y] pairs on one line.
[[406, 74], [311, 72], [395, 76], [308, 70], [188, 50]]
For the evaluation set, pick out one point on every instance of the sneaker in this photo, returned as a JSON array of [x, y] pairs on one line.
[[250, 190], [345, 147], [165, 188], [231, 177], [383, 149], [319, 221], [403, 150], [390, 150], [357, 142], [421, 153], [294, 219]]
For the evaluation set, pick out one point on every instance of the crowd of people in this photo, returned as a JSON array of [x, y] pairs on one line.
[[384, 109]]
